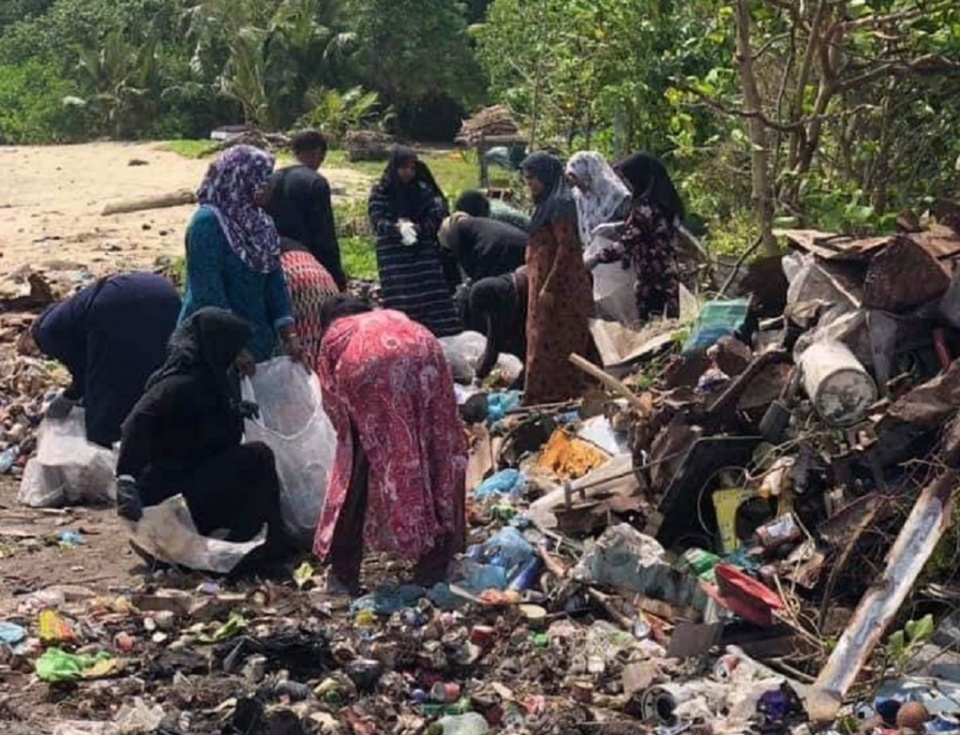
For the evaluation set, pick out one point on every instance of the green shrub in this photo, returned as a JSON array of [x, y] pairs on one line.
[[33, 107]]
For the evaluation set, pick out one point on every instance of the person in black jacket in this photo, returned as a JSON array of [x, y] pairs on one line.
[[184, 437], [301, 206], [496, 307], [111, 336], [483, 247]]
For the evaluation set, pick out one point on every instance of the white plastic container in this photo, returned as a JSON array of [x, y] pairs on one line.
[[841, 389]]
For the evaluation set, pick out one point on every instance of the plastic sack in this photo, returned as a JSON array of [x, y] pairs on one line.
[[717, 319], [167, 533], [614, 287], [294, 425], [464, 351], [68, 470]]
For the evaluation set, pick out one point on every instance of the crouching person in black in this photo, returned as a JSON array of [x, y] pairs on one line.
[[184, 437]]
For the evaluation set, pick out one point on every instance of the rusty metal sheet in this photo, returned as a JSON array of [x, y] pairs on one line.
[[917, 540], [940, 242], [904, 276], [831, 246]]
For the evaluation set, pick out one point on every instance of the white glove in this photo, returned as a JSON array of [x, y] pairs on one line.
[[408, 233]]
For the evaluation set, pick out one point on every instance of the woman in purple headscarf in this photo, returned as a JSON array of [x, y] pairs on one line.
[[233, 254]]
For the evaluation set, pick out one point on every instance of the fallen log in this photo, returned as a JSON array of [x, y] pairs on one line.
[[176, 199], [917, 540]]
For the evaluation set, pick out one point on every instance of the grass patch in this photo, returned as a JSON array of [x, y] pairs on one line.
[[359, 257], [188, 148], [454, 170]]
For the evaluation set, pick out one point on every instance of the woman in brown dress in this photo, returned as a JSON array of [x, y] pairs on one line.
[[560, 292]]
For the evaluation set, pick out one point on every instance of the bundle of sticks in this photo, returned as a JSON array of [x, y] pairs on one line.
[[489, 122]]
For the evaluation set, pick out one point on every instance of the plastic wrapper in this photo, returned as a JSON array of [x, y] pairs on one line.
[[68, 470], [294, 425]]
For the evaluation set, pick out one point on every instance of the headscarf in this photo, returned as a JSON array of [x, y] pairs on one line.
[[556, 202], [229, 189], [339, 306], [407, 199], [649, 180], [604, 197], [205, 345]]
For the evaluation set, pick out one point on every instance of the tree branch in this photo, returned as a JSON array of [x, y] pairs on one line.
[[769, 43], [923, 65], [733, 112]]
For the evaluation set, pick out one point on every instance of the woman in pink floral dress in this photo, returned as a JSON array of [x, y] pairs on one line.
[[398, 479]]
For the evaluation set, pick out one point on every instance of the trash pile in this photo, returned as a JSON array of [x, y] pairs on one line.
[[746, 527], [26, 381], [367, 145]]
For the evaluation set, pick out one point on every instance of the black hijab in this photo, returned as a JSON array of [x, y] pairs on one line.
[[408, 199], [556, 202], [649, 180], [339, 306], [206, 346]]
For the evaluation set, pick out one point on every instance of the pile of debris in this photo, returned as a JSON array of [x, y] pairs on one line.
[[490, 122], [367, 145], [27, 381], [715, 539]]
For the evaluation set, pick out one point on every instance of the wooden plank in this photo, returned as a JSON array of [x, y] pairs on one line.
[[917, 540]]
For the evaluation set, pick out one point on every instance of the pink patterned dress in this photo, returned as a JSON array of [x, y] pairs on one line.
[[385, 379]]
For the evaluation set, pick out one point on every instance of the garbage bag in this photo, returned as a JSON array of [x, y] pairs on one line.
[[294, 425], [614, 287], [68, 470], [167, 533], [465, 350]]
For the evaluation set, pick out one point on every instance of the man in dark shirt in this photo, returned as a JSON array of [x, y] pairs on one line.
[[483, 247], [300, 203]]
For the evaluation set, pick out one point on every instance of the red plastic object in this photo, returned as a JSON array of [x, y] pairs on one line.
[[744, 596]]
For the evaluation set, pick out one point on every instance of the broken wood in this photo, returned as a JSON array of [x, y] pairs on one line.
[[605, 602], [915, 543], [637, 402], [163, 201]]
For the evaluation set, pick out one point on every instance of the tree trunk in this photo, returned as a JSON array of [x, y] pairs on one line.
[[759, 154]]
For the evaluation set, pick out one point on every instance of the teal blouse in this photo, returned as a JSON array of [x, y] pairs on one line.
[[217, 277]]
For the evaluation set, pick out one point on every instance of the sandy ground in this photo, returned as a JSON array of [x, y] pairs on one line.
[[51, 199]]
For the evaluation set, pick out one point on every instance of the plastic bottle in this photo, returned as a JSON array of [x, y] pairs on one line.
[[526, 576], [7, 458]]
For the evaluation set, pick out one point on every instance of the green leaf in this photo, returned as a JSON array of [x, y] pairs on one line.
[[896, 646], [303, 574], [919, 631]]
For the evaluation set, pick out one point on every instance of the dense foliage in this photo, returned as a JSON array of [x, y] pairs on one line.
[[836, 113]]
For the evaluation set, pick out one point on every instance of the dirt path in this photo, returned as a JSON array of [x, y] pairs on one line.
[[51, 198]]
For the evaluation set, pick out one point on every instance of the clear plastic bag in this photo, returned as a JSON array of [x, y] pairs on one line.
[[294, 425], [614, 287], [68, 470], [464, 352]]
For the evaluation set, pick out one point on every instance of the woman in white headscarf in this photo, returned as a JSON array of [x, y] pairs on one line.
[[600, 195]]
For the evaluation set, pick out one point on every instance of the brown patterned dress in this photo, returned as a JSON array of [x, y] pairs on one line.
[[559, 308]]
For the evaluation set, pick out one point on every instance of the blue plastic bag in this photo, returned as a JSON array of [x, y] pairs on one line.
[[717, 319], [505, 482]]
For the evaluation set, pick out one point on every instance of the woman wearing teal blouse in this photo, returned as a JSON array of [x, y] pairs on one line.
[[233, 254]]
